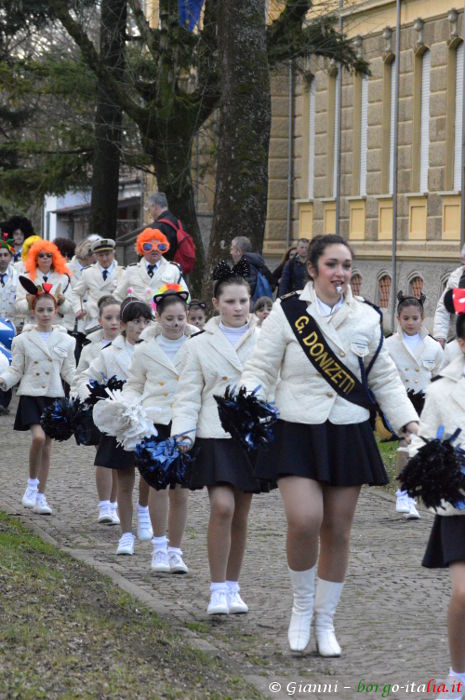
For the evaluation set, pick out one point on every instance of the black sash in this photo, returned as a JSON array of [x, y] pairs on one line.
[[313, 342]]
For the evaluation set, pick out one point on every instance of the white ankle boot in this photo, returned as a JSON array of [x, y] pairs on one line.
[[303, 585], [326, 599]]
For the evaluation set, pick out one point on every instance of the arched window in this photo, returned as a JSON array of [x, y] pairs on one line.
[[384, 291], [356, 284], [416, 286]]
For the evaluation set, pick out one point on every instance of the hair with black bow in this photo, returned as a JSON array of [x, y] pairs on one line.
[[223, 274], [410, 300]]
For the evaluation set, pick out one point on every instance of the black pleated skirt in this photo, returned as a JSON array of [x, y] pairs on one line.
[[339, 455], [110, 454], [446, 542], [220, 462], [30, 409]]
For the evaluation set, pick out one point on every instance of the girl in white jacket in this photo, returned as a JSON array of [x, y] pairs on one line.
[[153, 379], [42, 356], [418, 358], [324, 448], [445, 405], [114, 360], [215, 359], [105, 479]]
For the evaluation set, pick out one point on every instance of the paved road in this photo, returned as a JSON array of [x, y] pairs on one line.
[[391, 622]]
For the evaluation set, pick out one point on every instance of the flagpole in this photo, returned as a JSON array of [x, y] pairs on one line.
[[395, 97]]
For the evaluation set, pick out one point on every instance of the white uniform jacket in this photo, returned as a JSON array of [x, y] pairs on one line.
[[302, 394], [89, 353], [91, 287], [442, 316], [136, 278], [451, 351], [114, 360], [69, 318], [444, 405], [211, 364], [39, 365], [153, 376], [59, 282], [8, 296], [416, 367]]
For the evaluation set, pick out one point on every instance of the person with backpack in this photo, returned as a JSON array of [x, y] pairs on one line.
[[260, 278], [182, 246], [294, 276]]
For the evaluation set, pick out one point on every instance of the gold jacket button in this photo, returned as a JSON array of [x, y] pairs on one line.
[[165, 393], [224, 378], [417, 370], [162, 383], [342, 353], [329, 395]]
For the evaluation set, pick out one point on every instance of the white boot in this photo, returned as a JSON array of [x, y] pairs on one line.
[[303, 585], [326, 599]]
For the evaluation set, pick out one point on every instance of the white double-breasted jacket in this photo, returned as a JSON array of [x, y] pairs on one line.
[[91, 287], [39, 365], [302, 394], [153, 376], [416, 367], [61, 283], [444, 405], [8, 297], [136, 278], [211, 364], [114, 360]]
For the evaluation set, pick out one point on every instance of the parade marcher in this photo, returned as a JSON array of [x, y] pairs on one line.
[[262, 309], [278, 271], [197, 313], [42, 356], [215, 359], [8, 283], [144, 278], [294, 275], [260, 278], [444, 406], [105, 479], [20, 228], [153, 378], [45, 264], [320, 343], [114, 360], [418, 358], [442, 318], [157, 204], [95, 281], [19, 264], [83, 257]]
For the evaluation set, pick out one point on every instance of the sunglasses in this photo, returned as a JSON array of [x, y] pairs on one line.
[[45, 255], [154, 245]]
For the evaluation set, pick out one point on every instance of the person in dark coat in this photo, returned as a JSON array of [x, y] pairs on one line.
[[158, 206], [241, 247], [295, 275]]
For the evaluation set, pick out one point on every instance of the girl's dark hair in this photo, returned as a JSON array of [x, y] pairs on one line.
[[106, 300], [197, 304], [131, 309], [320, 243], [169, 300], [262, 302], [38, 297], [66, 247], [410, 300], [460, 318]]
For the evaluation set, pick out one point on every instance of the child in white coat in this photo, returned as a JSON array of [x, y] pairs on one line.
[[215, 359], [105, 479], [153, 378], [42, 356], [114, 360], [418, 358], [444, 405]]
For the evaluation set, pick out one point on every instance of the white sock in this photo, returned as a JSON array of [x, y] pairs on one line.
[[142, 509], [456, 674], [33, 483], [401, 493], [114, 505], [104, 504], [175, 550], [219, 586], [233, 586], [160, 544]]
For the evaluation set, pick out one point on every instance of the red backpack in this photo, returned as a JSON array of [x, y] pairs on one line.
[[185, 252]]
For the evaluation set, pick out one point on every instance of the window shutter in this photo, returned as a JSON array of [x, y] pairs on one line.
[[311, 137], [424, 135], [458, 118], [363, 136], [336, 131]]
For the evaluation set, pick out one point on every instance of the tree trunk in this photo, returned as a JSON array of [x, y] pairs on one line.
[[108, 123], [245, 122]]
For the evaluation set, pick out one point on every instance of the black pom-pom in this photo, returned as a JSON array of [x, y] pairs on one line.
[[98, 389], [435, 473], [85, 430], [57, 420], [247, 418], [161, 463], [417, 399]]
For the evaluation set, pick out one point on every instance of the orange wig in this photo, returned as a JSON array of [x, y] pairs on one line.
[[58, 261], [148, 235]]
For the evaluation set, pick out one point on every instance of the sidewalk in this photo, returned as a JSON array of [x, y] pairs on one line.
[[391, 623]]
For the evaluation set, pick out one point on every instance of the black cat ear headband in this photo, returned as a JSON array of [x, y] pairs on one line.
[[223, 271]]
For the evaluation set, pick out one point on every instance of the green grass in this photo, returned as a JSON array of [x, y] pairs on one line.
[[68, 632], [388, 453]]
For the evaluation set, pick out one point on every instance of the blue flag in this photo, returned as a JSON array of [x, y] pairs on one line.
[[189, 13]]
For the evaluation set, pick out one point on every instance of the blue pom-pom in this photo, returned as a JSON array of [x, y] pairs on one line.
[[57, 420], [247, 418], [161, 463]]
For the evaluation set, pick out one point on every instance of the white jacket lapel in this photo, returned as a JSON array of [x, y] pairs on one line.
[[36, 339], [221, 344]]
